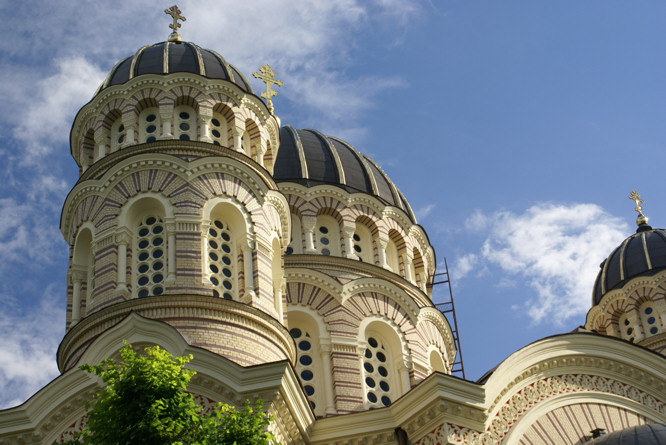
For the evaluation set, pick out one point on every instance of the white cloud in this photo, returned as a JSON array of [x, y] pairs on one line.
[[555, 248], [424, 211], [46, 121], [30, 338], [464, 265]]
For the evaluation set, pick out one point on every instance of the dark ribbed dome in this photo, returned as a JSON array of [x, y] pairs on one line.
[[175, 57], [650, 434], [643, 253], [310, 158]]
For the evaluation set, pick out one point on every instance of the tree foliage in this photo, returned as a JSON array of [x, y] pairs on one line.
[[144, 401]]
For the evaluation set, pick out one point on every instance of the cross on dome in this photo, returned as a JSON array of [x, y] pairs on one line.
[[641, 219], [174, 12], [268, 77]]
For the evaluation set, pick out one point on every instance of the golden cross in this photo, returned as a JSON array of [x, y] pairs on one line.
[[175, 13], [268, 77], [634, 196]]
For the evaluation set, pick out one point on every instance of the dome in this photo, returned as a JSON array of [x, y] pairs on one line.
[[175, 57], [650, 434], [642, 254], [310, 158]]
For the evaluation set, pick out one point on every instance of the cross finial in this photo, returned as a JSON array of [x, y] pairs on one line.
[[175, 13], [268, 77], [641, 219]]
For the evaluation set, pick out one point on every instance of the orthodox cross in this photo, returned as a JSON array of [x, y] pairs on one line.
[[634, 196], [268, 77], [175, 13], [641, 220]]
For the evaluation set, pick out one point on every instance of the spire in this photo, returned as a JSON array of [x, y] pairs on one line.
[[175, 13], [641, 220]]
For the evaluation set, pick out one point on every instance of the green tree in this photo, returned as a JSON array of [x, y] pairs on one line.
[[144, 401]]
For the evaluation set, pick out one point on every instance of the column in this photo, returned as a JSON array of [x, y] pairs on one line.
[[348, 234], [204, 128], [122, 240], [77, 276], [248, 250], [238, 139], [171, 251], [407, 259], [166, 117], [381, 252], [325, 348], [403, 370], [100, 144], [309, 223], [261, 152]]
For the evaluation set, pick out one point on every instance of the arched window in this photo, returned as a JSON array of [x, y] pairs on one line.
[[377, 372], [150, 256], [649, 319], [436, 362], [392, 256], [221, 259], [149, 124], [219, 130], [227, 255], [327, 233], [296, 242], [362, 244], [118, 134], [626, 328], [82, 275], [185, 123], [309, 367]]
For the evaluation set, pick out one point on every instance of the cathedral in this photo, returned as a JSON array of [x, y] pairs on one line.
[[294, 270]]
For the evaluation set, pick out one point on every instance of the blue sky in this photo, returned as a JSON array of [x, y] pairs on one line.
[[515, 129]]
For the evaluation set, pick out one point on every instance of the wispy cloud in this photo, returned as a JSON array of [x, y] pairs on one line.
[[556, 249], [30, 338], [424, 211]]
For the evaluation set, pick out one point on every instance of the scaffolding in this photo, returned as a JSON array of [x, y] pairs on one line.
[[448, 309]]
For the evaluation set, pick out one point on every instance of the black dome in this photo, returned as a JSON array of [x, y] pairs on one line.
[[175, 57], [642, 254], [650, 434], [310, 158]]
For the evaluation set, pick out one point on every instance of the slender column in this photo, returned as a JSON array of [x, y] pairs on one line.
[[130, 129], [100, 144], [122, 240], [204, 128], [309, 223], [261, 152], [348, 234], [248, 250], [166, 117], [407, 260], [238, 141], [403, 369], [381, 251], [85, 162], [325, 349], [171, 251], [635, 321], [77, 276]]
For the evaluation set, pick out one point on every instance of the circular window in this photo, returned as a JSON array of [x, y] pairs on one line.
[[648, 310], [121, 128], [626, 322], [386, 401], [368, 367], [158, 265], [304, 345], [183, 126], [323, 229], [382, 371], [184, 137], [289, 251], [151, 129], [325, 252], [212, 233], [151, 139], [215, 122], [372, 342], [372, 398], [651, 320], [213, 268], [305, 360], [158, 290], [158, 253], [324, 241], [370, 382], [151, 118], [307, 375], [384, 385], [143, 268], [654, 330], [216, 133], [357, 248], [184, 115], [213, 256], [357, 238], [295, 332], [309, 390]]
